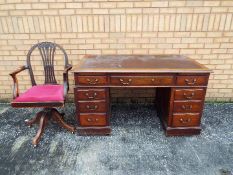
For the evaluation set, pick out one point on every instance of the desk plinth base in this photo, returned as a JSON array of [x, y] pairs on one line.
[[94, 130], [182, 131]]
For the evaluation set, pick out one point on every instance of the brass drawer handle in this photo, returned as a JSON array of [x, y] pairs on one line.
[[187, 107], [154, 80], [92, 120], [92, 81], [185, 120], [92, 108], [190, 96], [91, 97], [125, 83], [190, 82]]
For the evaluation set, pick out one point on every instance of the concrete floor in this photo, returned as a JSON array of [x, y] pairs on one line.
[[137, 145]]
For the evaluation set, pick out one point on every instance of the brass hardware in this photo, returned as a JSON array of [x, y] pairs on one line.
[[92, 120], [156, 80], [190, 96], [187, 107], [89, 120], [125, 83], [91, 97], [185, 121], [190, 82], [92, 81], [92, 108]]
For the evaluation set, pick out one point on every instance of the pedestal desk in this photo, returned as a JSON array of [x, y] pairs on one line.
[[180, 85]]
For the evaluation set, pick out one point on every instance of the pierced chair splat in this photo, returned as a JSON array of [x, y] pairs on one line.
[[48, 96]]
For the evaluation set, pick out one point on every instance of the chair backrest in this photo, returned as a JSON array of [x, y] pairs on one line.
[[47, 50]]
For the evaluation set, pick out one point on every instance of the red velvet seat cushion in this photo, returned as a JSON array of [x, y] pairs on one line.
[[42, 93]]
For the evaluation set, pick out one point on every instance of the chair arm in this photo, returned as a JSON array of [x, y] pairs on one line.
[[65, 79], [15, 80]]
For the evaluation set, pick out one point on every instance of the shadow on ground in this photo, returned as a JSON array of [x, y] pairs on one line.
[[137, 145]]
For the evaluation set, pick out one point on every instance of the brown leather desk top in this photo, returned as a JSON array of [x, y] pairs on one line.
[[139, 63]]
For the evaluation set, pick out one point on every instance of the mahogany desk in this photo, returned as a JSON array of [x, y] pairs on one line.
[[181, 86]]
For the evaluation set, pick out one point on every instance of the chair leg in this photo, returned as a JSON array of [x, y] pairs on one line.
[[56, 116], [43, 122], [42, 118], [34, 120]]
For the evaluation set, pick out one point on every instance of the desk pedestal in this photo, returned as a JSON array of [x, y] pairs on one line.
[[180, 110]]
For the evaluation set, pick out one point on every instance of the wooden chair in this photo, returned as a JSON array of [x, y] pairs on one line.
[[47, 96]]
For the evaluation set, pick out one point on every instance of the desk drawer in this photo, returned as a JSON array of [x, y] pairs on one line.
[[185, 120], [189, 94], [192, 80], [91, 106], [92, 119], [142, 80], [187, 107], [91, 80], [90, 94]]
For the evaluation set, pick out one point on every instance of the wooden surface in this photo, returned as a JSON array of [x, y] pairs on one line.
[[138, 63], [181, 86]]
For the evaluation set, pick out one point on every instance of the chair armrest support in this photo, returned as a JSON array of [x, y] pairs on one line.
[[15, 80], [65, 79]]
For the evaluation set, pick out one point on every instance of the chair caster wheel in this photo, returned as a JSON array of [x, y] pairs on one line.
[[72, 132]]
